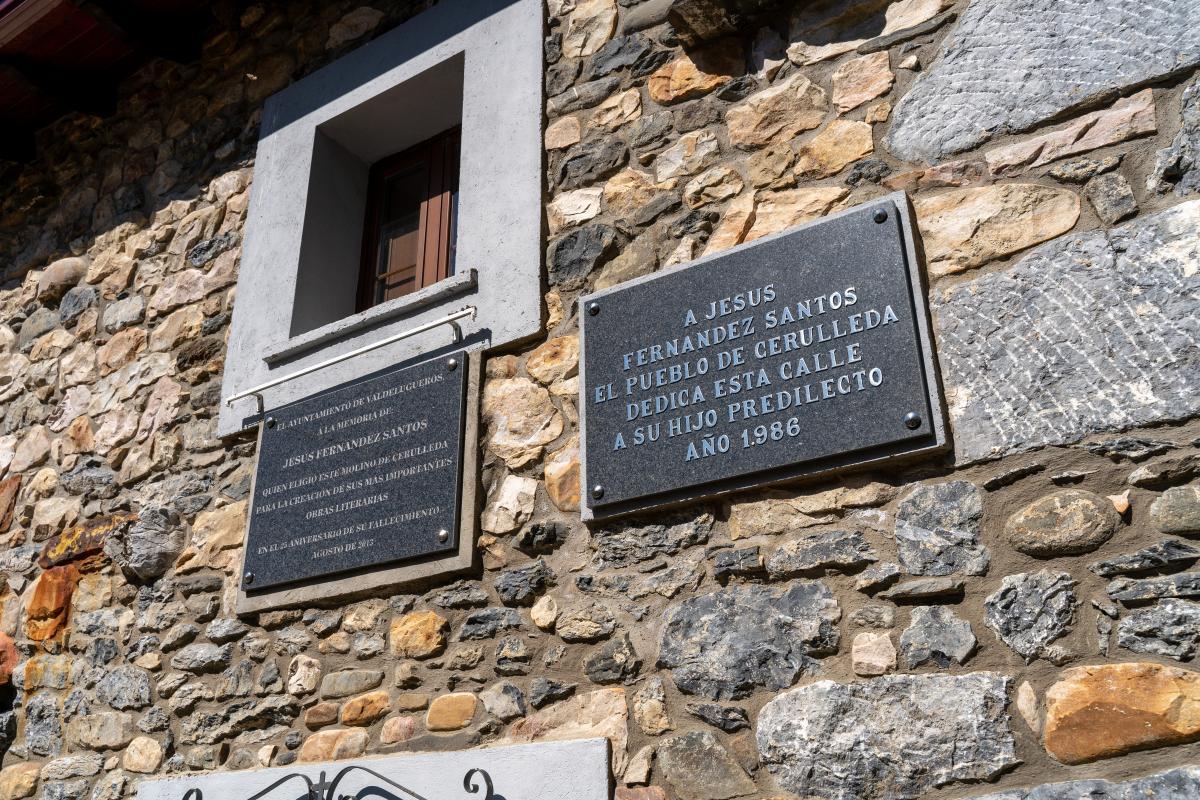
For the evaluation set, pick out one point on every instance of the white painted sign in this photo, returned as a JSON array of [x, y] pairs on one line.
[[575, 770]]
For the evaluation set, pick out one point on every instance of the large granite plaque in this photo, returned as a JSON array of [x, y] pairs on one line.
[[365, 474], [800, 353]]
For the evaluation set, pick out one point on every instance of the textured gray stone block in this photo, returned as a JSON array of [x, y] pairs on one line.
[[891, 738], [1088, 333], [1178, 784], [1011, 65]]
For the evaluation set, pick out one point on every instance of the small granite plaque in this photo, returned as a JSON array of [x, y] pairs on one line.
[[365, 474], [799, 353]]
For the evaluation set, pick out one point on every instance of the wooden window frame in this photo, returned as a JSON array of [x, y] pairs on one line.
[[439, 156]]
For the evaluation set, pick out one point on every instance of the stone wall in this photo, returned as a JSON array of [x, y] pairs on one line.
[[1018, 613]]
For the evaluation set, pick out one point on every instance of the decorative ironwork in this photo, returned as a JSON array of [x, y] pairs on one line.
[[324, 789]]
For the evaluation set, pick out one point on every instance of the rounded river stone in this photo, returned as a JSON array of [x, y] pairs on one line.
[[1065, 523]]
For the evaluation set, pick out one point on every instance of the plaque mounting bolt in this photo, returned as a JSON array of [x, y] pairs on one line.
[[881, 215], [270, 422], [912, 420], [452, 364], [593, 308], [248, 578], [443, 535], [597, 491]]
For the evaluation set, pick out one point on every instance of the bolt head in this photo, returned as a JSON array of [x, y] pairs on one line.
[[912, 420], [881, 215], [452, 364], [443, 535], [270, 422], [593, 308], [248, 578], [597, 491]]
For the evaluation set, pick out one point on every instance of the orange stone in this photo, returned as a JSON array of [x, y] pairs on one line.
[[8, 658], [1111, 709], [640, 793], [334, 745], [562, 477], [81, 541], [320, 715], [450, 712], [697, 74], [366, 708], [50, 602], [421, 634], [9, 488]]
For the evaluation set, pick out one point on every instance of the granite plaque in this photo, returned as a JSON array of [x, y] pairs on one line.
[[365, 474], [795, 354]]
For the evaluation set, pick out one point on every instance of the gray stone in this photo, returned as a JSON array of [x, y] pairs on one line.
[[924, 589], [1177, 166], [651, 131], [504, 701], [741, 562], [233, 718], [1032, 609], [879, 576], [1131, 591], [1133, 448], [937, 530], [149, 547], [226, 630], [618, 53], [935, 634], [873, 616], [120, 314], [585, 623], [727, 644], [1082, 300], [125, 688], [1083, 169], [1167, 553], [74, 303], [75, 766], [1010, 65], [521, 587], [463, 594], [544, 691], [43, 725], [202, 658], [349, 681], [1068, 522], [870, 170], [615, 661], [1178, 510], [699, 768], [1166, 473], [591, 161], [1112, 197], [41, 321], [92, 478], [625, 544], [727, 718], [488, 622], [66, 790], [1177, 784], [890, 738], [573, 257], [840, 551], [1168, 628], [584, 95]]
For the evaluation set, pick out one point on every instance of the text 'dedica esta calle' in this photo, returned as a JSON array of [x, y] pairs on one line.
[[363, 475], [778, 358]]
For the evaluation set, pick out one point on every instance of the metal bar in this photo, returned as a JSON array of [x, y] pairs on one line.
[[450, 319]]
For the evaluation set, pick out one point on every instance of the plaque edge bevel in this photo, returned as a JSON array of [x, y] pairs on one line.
[[860, 460], [366, 582]]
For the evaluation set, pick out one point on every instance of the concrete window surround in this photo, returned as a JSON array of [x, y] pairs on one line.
[[474, 64]]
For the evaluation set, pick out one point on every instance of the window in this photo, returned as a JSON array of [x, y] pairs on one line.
[[408, 235]]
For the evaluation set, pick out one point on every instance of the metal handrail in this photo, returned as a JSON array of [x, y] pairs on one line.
[[449, 319]]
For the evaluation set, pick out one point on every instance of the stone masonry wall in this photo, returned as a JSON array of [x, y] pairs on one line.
[[1024, 611]]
